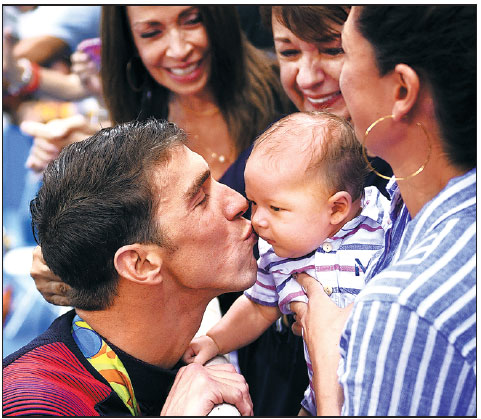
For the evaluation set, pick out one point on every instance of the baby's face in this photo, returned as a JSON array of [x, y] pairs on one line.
[[289, 210]]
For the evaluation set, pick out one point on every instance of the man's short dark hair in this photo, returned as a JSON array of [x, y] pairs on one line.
[[98, 196]]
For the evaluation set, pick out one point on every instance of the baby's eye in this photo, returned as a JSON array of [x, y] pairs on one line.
[[275, 208]]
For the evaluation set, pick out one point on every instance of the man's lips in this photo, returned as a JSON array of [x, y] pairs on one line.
[[250, 234]]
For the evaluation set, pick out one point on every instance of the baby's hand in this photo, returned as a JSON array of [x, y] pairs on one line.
[[200, 350]]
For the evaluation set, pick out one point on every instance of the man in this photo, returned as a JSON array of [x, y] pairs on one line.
[[130, 219]]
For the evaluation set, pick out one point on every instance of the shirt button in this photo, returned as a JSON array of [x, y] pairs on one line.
[[327, 247], [328, 290]]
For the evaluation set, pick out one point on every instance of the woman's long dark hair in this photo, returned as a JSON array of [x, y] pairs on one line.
[[439, 43], [244, 81]]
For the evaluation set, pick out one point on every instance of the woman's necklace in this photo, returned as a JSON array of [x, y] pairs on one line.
[[221, 158], [202, 126]]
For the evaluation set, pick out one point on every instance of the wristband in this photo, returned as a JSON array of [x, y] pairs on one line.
[[34, 80], [29, 79]]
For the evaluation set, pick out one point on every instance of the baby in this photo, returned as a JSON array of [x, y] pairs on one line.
[[304, 180]]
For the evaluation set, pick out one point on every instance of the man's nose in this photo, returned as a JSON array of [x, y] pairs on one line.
[[235, 205]]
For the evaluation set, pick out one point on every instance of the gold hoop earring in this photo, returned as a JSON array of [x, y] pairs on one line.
[[364, 154], [132, 77]]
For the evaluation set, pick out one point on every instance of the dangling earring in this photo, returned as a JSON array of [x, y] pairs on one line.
[[364, 154], [132, 75]]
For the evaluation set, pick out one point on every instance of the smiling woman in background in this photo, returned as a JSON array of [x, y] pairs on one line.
[[193, 66]]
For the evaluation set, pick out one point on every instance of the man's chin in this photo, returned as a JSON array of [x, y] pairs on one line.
[[248, 278]]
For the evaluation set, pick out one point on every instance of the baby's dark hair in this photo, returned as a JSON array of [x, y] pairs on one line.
[[337, 163]]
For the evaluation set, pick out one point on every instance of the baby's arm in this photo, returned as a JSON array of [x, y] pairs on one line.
[[244, 322]]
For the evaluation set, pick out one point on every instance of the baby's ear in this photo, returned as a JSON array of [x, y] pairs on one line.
[[340, 206]]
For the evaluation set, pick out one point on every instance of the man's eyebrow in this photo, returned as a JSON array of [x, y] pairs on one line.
[[199, 181]]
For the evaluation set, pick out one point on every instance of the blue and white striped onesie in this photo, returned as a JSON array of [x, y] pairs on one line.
[[339, 264]]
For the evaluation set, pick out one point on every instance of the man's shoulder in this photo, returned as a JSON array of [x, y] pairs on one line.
[[47, 377]]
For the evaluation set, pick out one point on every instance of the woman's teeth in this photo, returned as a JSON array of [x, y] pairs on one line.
[[184, 71], [322, 100]]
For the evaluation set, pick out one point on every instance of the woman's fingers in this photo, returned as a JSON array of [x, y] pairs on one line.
[[48, 284]]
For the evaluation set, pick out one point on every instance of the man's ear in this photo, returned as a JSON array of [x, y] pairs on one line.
[[340, 205], [139, 263], [406, 90]]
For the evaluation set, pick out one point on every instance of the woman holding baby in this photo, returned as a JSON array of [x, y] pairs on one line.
[[409, 344]]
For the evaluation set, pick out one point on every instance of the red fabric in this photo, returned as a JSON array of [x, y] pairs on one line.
[[59, 385]]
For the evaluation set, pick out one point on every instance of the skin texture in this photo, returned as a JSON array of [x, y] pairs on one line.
[[357, 81], [400, 142], [169, 39]]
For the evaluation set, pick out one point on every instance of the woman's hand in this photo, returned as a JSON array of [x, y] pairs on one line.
[[52, 137], [49, 285], [322, 322], [197, 389], [320, 310]]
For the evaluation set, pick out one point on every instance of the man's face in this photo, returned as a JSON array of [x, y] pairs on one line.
[[202, 220]]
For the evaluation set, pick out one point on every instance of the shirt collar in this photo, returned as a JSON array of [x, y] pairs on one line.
[[373, 206]]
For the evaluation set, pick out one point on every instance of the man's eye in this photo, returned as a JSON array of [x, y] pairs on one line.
[[204, 200]]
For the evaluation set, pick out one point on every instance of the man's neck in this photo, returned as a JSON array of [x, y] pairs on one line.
[[154, 333]]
